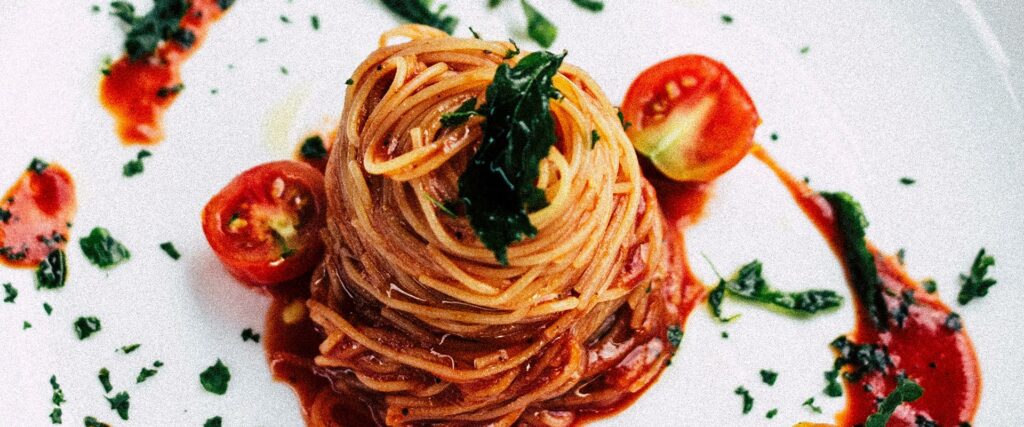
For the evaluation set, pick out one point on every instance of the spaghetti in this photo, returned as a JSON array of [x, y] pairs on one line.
[[420, 321]]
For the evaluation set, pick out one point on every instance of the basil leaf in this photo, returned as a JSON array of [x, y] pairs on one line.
[[860, 263]]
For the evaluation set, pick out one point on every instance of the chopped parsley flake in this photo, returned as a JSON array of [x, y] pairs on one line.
[[146, 32], [975, 284], [466, 110], [25, 325], [906, 391], [418, 12], [907, 180], [10, 293], [675, 336], [771, 413], [929, 285], [725, 335], [55, 416], [215, 378], [168, 91], [349, 82], [104, 377], [284, 70], [58, 393], [860, 262], [213, 422], [313, 148], [120, 403], [863, 358], [86, 327], [285, 19], [809, 403], [93, 422], [769, 377], [52, 271], [129, 348], [37, 166], [47, 308], [804, 50], [591, 5], [314, 21], [832, 386], [170, 250], [103, 250], [953, 322], [144, 374], [135, 167], [248, 335], [594, 137], [726, 19], [774, 136], [748, 401], [540, 29], [901, 256]]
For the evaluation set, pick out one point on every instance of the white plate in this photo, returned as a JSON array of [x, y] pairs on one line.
[[887, 89]]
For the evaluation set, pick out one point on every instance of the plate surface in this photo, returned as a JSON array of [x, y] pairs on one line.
[[885, 90]]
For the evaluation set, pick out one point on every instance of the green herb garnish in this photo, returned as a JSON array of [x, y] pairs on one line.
[[55, 415], [58, 393], [145, 373], [460, 115], [284, 70], [443, 207], [538, 27], [860, 263], [748, 401], [102, 250], [213, 422], [135, 166], [86, 327], [804, 50], [497, 187], [170, 250], [771, 413], [313, 148], [769, 377], [726, 19], [929, 285], [674, 334], [591, 5], [418, 12], [248, 335], [749, 284], [93, 422], [314, 21], [975, 284], [215, 378], [907, 180], [10, 293], [906, 391], [145, 33], [863, 358], [52, 271], [715, 298], [594, 137], [129, 348], [832, 386], [809, 403], [285, 19], [25, 325], [37, 166], [168, 91], [104, 377], [47, 308], [953, 322], [120, 403]]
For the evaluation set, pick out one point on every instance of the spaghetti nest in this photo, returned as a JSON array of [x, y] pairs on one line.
[[420, 320]]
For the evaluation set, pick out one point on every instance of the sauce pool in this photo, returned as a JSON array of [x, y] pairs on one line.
[[137, 92], [36, 215]]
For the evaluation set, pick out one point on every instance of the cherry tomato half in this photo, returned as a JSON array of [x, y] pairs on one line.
[[265, 224], [691, 117]]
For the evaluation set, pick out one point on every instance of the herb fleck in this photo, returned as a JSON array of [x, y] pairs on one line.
[[975, 284], [929, 285], [832, 386], [314, 21], [953, 322], [52, 271], [104, 377], [907, 180], [93, 422], [129, 348], [418, 12], [103, 250], [906, 391], [86, 327], [135, 166], [769, 377], [540, 29], [170, 250], [809, 403], [215, 378], [591, 5], [10, 293], [748, 401], [248, 335], [466, 110], [771, 413], [213, 422], [675, 336], [726, 19], [120, 403], [47, 308]]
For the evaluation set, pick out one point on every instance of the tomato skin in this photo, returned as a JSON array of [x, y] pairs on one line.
[[691, 117], [256, 252]]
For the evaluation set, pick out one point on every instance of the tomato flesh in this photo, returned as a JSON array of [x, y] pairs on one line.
[[691, 117], [36, 215], [265, 224]]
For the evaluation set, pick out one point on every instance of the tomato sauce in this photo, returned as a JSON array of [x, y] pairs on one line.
[[137, 92], [36, 215], [939, 358]]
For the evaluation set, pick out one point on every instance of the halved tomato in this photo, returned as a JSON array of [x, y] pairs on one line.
[[265, 224], [691, 117]]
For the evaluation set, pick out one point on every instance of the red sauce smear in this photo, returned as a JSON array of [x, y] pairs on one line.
[[137, 92], [941, 360], [35, 215]]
